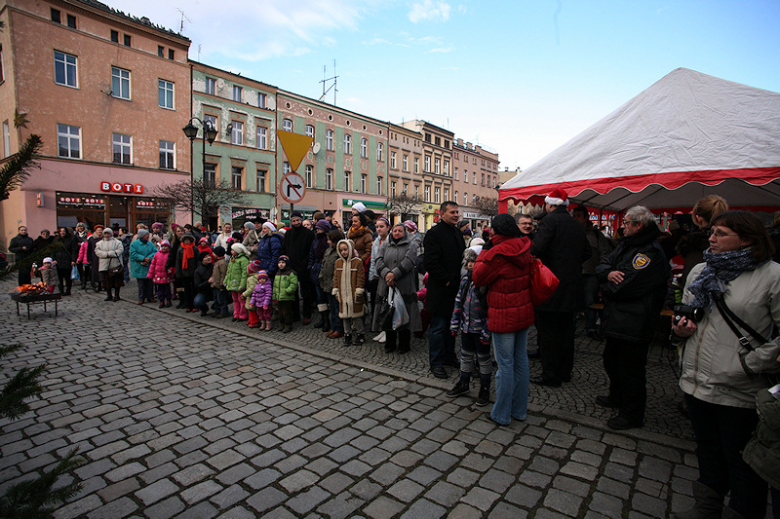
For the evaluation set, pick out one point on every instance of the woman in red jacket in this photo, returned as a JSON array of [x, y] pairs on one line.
[[506, 270]]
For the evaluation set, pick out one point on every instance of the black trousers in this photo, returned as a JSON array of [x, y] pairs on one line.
[[555, 337], [624, 362]]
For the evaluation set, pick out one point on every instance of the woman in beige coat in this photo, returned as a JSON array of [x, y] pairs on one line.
[[109, 251]]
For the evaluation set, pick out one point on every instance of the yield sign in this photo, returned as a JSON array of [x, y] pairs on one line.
[[295, 146], [292, 188]]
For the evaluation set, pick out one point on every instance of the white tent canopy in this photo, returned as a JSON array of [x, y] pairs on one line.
[[687, 136]]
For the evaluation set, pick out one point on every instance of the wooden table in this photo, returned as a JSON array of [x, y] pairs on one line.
[[36, 299]]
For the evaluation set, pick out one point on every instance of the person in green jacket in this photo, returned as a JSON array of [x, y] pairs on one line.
[[285, 288], [235, 280]]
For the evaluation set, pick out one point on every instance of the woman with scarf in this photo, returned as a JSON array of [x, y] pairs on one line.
[[109, 252], [721, 374], [185, 266], [382, 232], [362, 237]]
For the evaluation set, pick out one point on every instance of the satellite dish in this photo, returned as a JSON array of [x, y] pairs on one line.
[[315, 148]]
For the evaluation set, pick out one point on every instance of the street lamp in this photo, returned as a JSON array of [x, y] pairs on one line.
[[209, 134]]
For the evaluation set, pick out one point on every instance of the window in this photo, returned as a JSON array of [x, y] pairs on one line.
[[437, 165], [6, 139], [465, 199], [210, 175], [329, 140], [210, 120], [56, 16], [286, 167], [363, 181], [483, 179], [122, 146], [261, 100], [261, 176], [446, 193], [170, 54], [417, 164], [238, 93], [347, 182], [416, 192], [65, 69], [456, 174], [347, 144], [167, 155], [455, 198], [310, 130], [446, 145], [438, 141], [237, 135], [120, 83], [309, 175], [427, 163], [71, 21], [446, 168], [380, 151], [406, 162], [160, 51], [427, 193], [378, 185], [474, 199], [363, 148], [473, 177], [287, 125], [406, 189], [262, 138], [165, 93], [236, 176], [436, 191], [329, 179], [128, 41], [211, 86], [392, 160], [114, 36], [392, 189]]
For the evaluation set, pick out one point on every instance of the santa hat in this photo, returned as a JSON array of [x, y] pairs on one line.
[[557, 197], [271, 226]]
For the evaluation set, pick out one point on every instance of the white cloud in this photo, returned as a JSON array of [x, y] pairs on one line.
[[428, 10]]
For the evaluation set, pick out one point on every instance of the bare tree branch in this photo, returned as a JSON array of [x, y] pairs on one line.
[[486, 206], [199, 197], [402, 204]]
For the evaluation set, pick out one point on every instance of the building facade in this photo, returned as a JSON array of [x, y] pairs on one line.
[[475, 182], [405, 186], [89, 80]]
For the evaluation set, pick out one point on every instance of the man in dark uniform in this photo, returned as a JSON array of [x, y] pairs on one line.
[[633, 281], [444, 247]]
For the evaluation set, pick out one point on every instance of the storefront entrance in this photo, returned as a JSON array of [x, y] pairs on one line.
[[111, 210]]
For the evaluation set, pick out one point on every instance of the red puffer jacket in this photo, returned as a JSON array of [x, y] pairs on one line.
[[506, 270]]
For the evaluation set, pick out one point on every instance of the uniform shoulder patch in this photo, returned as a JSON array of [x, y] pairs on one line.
[[640, 261]]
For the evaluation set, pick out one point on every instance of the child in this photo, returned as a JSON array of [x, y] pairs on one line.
[[261, 300], [161, 275], [203, 291], [235, 280], [217, 281], [470, 317], [49, 275], [203, 246], [348, 287], [251, 280], [285, 288]]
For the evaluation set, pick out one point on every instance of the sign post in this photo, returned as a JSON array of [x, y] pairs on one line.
[[292, 187]]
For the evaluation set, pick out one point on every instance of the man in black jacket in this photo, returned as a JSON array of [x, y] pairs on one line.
[[22, 245], [561, 244], [444, 247], [633, 281], [296, 244]]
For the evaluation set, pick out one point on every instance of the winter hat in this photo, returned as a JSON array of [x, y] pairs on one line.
[[504, 225], [462, 224], [203, 255], [262, 274], [271, 226], [218, 251], [296, 214], [239, 249], [165, 243], [254, 266], [284, 258], [108, 231], [322, 225], [470, 255], [141, 233], [98, 226], [174, 226], [188, 236], [410, 226], [157, 225], [557, 197], [203, 240], [237, 237], [47, 260], [249, 225], [359, 207], [477, 244]]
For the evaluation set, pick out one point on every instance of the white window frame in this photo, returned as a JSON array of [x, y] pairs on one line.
[[393, 160], [286, 167], [437, 165], [405, 162], [69, 67], [70, 134], [427, 194], [329, 140], [287, 125], [417, 165], [378, 185], [363, 182], [380, 151], [474, 177], [436, 193], [465, 198], [238, 93], [211, 120], [261, 138], [347, 144], [165, 93], [6, 139], [211, 86], [210, 174], [123, 143], [427, 166], [120, 83], [392, 189], [237, 134], [329, 179], [234, 176], [446, 170], [364, 147], [167, 154], [309, 176], [262, 174], [262, 100], [347, 181], [310, 130]]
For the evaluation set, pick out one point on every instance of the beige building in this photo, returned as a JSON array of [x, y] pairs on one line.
[[475, 182], [405, 188]]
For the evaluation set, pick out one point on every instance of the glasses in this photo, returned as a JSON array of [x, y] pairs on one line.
[[629, 222], [719, 234]]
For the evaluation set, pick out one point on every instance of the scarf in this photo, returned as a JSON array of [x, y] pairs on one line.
[[189, 253], [721, 268]]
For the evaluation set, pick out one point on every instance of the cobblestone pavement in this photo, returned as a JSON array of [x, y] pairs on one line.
[[183, 416]]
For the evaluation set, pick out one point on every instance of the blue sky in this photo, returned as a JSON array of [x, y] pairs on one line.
[[518, 77]]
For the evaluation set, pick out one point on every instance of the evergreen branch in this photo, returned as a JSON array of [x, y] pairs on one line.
[[19, 166], [24, 385]]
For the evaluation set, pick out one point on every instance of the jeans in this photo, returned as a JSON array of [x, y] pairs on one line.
[[201, 302], [590, 284], [441, 343], [335, 321], [512, 376], [721, 434], [221, 301], [145, 289]]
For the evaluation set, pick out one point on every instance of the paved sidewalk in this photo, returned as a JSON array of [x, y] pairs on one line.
[[182, 416]]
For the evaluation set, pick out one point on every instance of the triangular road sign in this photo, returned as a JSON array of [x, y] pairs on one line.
[[295, 146]]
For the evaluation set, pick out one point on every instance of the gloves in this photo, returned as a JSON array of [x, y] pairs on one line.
[[334, 292]]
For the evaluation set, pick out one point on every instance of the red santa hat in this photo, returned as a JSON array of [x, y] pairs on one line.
[[557, 197]]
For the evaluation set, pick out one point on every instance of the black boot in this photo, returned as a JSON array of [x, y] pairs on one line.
[[360, 339], [484, 396], [108, 295], [116, 294], [404, 341], [709, 504], [347, 339], [324, 321], [391, 336]]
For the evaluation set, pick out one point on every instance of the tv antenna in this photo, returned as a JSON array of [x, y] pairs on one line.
[[325, 81], [183, 17]]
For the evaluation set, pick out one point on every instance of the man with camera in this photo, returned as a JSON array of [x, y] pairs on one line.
[[633, 282]]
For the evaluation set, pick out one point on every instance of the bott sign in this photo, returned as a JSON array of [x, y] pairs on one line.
[[292, 188]]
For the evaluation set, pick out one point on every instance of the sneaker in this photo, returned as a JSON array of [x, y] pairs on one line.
[[484, 396], [459, 389], [381, 337]]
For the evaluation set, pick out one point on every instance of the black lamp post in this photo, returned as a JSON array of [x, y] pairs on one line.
[[209, 134]]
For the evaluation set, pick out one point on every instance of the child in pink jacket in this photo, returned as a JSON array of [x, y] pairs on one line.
[[261, 299], [161, 275]]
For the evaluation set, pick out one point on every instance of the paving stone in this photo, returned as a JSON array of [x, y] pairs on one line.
[[266, 499], [306, 501], [156, 491], [230, 496], [446, 494], [201, 491], [504, 510], [119, 508], [480, 498], [563, 502], [423, 508], [383, 508], [192, 474], [405, 490], [607, 505], [125, 471], [649, 505], [299, 480], [524, 496], [164, 509], [496, 480]]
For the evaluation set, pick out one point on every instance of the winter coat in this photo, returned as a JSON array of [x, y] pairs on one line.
[[715, 367], [444, 247], [201, 279], [261, 295], [41, 243], [285, 285], [349, 284], [158, 270], [222, 240], [269, 248], [92, 258], [600, 247], [110, 252], [218, 274], [399, 258], [251, 281], [140, 250], [49, 276], [251, 241], [315, 261], [762, 452], [328, 266], [632, 308], [235, 277], [17, 244], [64, 252], [470, 314], [82, 257], [506, 270], [562, 246], [375, 252], [363, 239], [192, 264], [296, 245]]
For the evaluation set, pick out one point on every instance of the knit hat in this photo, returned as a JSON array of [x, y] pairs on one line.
[[504, 225], [141, 233], [296, 214], [165, 243], [203, 240], [470, 255], [174, 226], [239, 249], [284, 258], [203, 255], [157, 225], [98, 226], [410, 226], [188, 236], [254, 266], [218, 251], [462, 224], [322, 225], [47, 260], [107, 230], [557, 197], [271, 226], [249, 225], [262, 274], [359, 207]]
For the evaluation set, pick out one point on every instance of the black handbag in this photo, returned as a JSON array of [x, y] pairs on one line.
[[114, 271], [386, 311]]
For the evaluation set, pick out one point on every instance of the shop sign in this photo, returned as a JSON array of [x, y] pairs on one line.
[[251, 214], [118, 187], [68, 200], [76, 201], [151, 204], [370, 204]]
